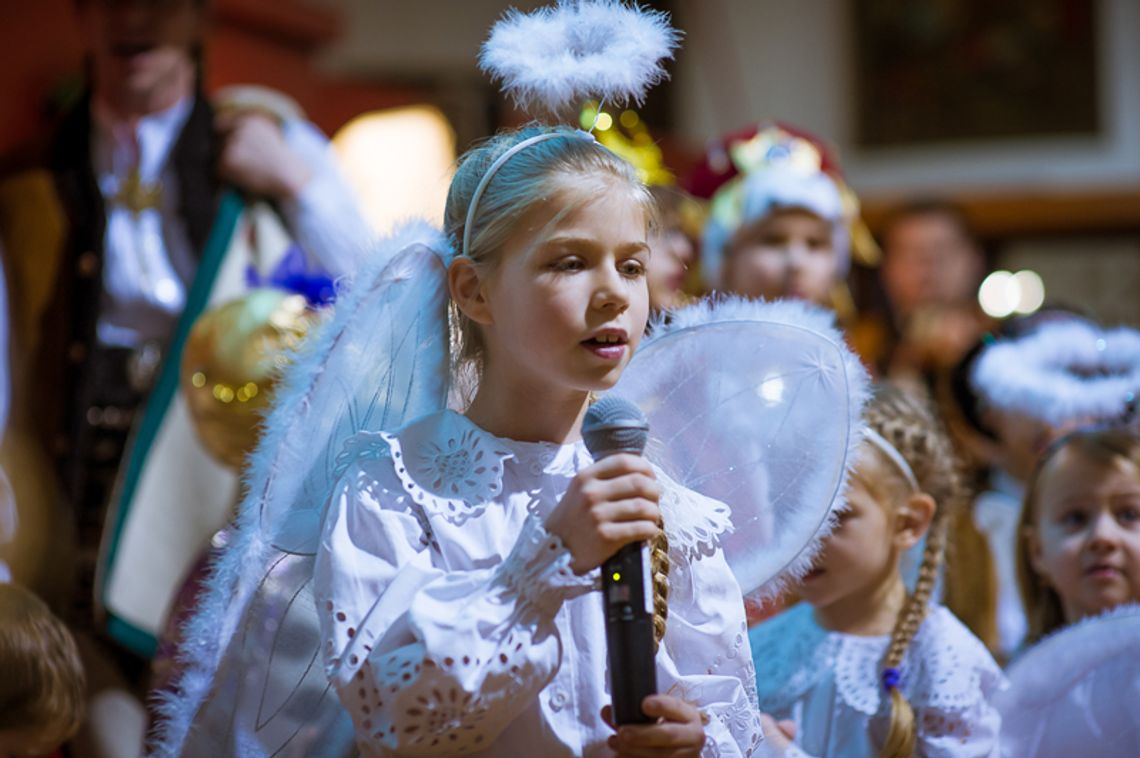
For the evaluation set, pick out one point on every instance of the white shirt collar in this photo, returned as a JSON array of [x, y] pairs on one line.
[[155, 134]]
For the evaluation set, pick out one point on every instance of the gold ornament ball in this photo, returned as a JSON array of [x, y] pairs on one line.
[[231, 363]]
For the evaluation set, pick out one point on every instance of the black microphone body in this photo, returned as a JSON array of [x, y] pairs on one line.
[[611, 426]]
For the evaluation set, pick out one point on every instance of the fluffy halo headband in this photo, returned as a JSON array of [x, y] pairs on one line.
[[574, 51], [1063, 371], [578, 50]]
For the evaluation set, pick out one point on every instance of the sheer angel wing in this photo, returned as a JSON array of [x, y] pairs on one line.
[[253, 683], [756, 405], [1077, 690]]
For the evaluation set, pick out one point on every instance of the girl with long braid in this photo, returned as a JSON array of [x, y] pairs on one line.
[[863, 667]]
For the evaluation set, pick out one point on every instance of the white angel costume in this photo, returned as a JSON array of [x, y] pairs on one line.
[[453, 622], [1076, 692], [828, 683]]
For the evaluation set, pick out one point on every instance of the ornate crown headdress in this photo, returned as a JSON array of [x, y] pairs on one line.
[[749, 172]]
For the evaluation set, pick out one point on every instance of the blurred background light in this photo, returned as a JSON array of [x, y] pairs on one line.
[[399, 162], [1004, 293]]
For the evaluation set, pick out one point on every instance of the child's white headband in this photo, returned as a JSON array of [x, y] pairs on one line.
[[894, 456]]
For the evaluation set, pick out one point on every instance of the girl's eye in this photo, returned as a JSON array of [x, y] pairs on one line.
[[570, 263], [820, 245], [1074, 519], [632, 268], [1128, 514]]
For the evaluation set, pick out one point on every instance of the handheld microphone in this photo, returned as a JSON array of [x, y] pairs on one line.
[[613, 425]]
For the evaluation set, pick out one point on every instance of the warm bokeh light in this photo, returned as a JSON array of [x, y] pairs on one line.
[[399, 162]]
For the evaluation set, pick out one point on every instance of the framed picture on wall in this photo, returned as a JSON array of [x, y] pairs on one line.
[[947, 70]]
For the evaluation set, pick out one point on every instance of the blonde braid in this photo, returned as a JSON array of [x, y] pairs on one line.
[[902, 734], [911, 427], [659, 568]]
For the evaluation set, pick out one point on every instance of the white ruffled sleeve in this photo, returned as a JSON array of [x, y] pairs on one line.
[[705, 657], [423, 658], [325, 217]]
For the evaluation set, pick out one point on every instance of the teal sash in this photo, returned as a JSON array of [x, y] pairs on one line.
[[229, 212]]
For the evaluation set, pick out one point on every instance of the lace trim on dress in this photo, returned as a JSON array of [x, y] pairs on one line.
[[538, 564], [945, 668], [693, 522], [449, 466]]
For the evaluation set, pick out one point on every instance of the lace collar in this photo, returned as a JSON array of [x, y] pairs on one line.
[[453, 468], [944, 667]]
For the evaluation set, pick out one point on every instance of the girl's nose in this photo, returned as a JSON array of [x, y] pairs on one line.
[[1104, 533], [610, 291], [796, 256]]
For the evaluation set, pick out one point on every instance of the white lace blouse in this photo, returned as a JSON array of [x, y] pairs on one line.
[[828, 684], [452, 622]]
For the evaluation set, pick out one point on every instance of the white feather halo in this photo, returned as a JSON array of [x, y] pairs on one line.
[[558, 57], [1063, 371]]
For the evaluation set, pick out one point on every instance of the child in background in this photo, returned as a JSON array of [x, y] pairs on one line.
[[1074, 690], [861, 667], [671, 249], [41, 678], [782, 223], [1078, 552], [1001, 446]]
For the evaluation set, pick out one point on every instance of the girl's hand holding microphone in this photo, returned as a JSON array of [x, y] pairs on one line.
[[609, 505]]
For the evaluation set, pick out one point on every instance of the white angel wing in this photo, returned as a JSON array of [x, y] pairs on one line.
[[757, 405], [253, 683], [1077, 692]]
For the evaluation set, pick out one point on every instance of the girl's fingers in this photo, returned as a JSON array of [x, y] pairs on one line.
[[621, 464], [624, 487], [629, 510], [660, 736], [623, 532], [671, 709]]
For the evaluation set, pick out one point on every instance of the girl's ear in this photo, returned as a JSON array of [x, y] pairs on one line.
[[913, 520], [466, 288], [1033, 553]]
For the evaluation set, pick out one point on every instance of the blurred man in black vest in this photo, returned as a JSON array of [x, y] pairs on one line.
[[105, 233]]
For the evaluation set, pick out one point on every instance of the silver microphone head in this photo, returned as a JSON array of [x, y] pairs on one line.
[[614, 425]]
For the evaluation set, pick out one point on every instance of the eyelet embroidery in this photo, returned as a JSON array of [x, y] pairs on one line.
[[432, 711], [740, 719], [368, 445], [538, 564], [693, 522], [945, 669], [449, 466]]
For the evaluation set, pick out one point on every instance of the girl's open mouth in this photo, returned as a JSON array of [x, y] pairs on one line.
[[609, 345]]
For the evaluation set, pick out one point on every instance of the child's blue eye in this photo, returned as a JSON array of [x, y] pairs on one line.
[[1129, 514]]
